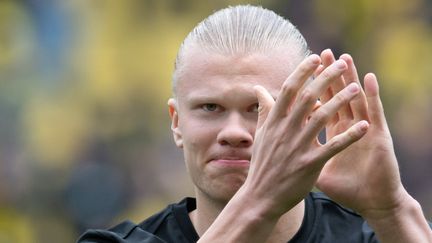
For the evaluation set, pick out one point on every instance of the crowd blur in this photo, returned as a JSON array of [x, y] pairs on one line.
[[84, 129]]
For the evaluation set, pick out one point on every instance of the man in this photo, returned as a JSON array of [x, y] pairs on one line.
[[246, 115]]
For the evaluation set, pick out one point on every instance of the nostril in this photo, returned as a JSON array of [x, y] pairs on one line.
[[236, 132], [236, 140]]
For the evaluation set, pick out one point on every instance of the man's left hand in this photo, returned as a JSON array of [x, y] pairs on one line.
[[365, 176]]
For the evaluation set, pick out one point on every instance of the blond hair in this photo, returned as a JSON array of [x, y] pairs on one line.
[[241, 30]]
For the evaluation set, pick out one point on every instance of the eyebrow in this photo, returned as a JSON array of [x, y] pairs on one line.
[[195, 96]]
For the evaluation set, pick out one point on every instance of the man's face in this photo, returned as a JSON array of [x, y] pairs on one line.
[[215, 113]]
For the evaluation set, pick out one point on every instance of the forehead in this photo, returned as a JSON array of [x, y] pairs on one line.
[[203, 73]]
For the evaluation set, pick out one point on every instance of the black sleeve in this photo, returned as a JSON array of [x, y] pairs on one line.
[[126, 232]]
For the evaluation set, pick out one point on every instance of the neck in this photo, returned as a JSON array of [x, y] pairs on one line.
[[207, 211]]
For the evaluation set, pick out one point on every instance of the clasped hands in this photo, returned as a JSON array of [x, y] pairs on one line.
[[356, 166]]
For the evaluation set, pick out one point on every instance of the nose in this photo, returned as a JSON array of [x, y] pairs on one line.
[[236, 132]]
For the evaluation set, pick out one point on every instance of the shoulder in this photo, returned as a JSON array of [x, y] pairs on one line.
[[326, 205], [327, 211], [125, 232], [173, 223], [327, 221], [158, 228]]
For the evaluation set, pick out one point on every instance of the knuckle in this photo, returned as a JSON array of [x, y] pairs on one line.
[[304, 162], [307, 96], [352, 135], [305, 68], [335, 145], [320, 116], [341, 98], [311, 162], [326, 74], [287, 88]]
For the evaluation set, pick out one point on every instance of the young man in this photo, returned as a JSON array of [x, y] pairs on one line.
[[246, 115]]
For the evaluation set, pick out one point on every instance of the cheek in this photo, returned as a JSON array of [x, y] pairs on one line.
[[252, 126], [197, 141], [197, 133]]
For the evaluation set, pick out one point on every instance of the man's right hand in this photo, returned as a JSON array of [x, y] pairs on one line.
[[287, 157]]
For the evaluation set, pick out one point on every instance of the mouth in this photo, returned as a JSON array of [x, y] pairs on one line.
[[232, 161]]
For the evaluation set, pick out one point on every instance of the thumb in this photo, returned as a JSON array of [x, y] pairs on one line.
[[265, 101]]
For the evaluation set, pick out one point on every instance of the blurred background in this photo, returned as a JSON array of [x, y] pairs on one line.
[[84, 128]]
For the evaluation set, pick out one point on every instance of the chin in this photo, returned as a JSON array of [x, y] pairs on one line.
[[217, 193], [225, 193]]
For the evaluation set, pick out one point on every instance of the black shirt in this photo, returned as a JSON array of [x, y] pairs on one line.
[[324, 221]]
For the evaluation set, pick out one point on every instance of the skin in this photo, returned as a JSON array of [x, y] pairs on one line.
[[228, 132], [269, 158]]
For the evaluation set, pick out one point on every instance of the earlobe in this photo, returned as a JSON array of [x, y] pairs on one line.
[[173, 112]]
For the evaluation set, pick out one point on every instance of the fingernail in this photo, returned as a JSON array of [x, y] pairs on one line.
[[353, 88], [345, 56], [364, 125], [315, 59], [340, 64]]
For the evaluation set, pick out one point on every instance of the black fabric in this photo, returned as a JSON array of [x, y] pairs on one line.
[[324, 221], [327, 221]]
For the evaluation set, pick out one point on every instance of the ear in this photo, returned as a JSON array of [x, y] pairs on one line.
[[172, 106]]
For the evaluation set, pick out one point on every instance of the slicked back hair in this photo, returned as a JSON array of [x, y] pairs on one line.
[[242, 29]]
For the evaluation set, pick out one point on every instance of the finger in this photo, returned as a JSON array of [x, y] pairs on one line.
[[375, 107], [265, 101], [317, 105], [358, 104], [327, 59], [324, 55], [339, 84], [319, 70], [351, 74], [294, 82], [309, 95], [321, 116], [342, 141]]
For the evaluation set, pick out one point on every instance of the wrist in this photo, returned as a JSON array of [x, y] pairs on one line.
[[250, 217], [404, 223], [399, 213], [265, 205], [256, 207], [402, 206]]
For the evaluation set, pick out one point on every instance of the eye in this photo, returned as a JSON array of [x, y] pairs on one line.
[[210, 107]]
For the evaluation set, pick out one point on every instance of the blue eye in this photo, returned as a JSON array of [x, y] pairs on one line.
[[210, 107]]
